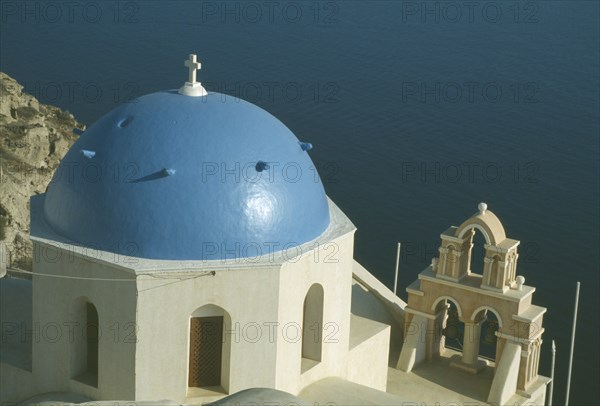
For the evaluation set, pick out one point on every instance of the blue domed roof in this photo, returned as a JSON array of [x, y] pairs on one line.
[[169, 176]]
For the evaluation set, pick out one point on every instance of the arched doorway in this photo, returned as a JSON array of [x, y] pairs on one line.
[[453, 329], [85, 345], [490, 324], [209, 348]]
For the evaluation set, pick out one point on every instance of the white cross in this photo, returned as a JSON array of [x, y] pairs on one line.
[[193, 66], [192, 88]]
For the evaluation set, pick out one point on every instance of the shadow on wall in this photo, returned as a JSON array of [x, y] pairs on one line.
[[16, 314], [366, 304]]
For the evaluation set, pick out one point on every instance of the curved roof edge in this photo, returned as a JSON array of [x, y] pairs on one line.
[[486, 222], [41, 232]]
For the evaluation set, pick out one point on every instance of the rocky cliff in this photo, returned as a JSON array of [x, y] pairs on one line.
[[34, 138]]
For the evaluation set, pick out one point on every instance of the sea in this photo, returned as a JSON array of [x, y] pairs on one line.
[[417, 112]]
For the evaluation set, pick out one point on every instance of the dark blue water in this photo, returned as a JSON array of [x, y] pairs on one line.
[[418, 111]]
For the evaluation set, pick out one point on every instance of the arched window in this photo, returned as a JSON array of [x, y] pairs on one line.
[[494, 270], [453, 329], [490, 324], [312, 327], [85, 345], [477, 252], [452, 261]]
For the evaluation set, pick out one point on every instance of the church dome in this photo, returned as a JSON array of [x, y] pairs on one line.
[[171, 176]]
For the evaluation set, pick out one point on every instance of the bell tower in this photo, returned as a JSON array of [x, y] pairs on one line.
[[499, 291]]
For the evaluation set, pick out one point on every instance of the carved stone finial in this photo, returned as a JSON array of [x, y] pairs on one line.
[[482, 207], [520, 280]]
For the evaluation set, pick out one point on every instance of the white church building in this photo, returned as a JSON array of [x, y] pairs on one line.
[[186, 250]]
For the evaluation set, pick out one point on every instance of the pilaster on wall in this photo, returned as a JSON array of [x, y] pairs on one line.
[[455, 255], [500, 265]]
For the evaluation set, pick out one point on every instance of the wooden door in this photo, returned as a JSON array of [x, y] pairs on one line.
[[206, 348]]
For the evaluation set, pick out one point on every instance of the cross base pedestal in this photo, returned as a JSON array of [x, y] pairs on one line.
[[193, 89]]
